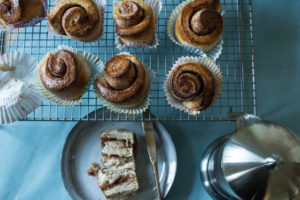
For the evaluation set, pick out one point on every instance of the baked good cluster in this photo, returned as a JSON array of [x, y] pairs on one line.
[[123, 82]]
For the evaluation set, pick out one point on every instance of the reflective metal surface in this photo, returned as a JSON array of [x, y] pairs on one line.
[[211, 172], [82, 147], [258, 161]]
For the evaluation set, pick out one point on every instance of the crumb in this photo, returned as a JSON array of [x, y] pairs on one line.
[[5, 68], [94, 169]]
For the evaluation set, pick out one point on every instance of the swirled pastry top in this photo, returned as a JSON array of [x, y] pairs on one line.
[[132, 17], [60, 70], [65, 74], [199, 22], [125, 77], [193, 84], [11, 11], [79, 19], [18, 11]]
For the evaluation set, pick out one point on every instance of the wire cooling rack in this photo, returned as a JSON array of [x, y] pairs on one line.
[[236, 63]]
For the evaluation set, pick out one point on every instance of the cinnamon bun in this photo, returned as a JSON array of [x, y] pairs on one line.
[[193, 85], [199, 24], [65, 74], [135, 22], [78, 19], [13, 12], [125, 82]]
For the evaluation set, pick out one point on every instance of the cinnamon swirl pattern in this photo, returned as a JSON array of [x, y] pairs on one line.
[[199, 24], [193, 84], [125, 83], [64, 74], [134, 22], [18, 12], [78, 19]]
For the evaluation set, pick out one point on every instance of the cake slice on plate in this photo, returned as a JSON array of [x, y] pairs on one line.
[[117, 179]]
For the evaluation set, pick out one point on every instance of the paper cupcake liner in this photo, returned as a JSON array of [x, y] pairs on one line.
[[93, 62], [156, 6], [19, 106], [18, 95], [32, 22], [209, 64], [137, 110], [214, 53], [101, 6]]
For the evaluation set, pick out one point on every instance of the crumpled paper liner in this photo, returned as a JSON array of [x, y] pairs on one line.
[[156, 6], [209, 64], [32, 22], [101, 5], [18, 94], [93, 62], [214, 53], [137, 110]]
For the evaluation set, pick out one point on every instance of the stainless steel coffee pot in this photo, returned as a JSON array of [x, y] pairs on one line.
[[259, 161]]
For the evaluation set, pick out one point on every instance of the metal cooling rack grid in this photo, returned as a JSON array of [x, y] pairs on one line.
[[236, 63]]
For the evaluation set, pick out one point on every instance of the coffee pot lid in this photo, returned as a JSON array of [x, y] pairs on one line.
[[262, 161]]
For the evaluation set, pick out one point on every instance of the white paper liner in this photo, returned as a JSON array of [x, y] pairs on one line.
[[32, 22], [214, 53], [137, 110], [93, 62], [209, 64], [156, 6], [18, 95], [101, 6]]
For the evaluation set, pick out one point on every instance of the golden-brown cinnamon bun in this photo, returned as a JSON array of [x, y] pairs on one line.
[[125, 82], [199, 24], [14, 12], [65, 74], [192, 84], [78, 19], [135, 22]]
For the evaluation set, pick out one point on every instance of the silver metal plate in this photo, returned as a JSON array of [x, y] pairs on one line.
[[83, 147]]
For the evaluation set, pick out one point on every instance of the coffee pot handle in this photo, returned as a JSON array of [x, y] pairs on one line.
[[247, 119]]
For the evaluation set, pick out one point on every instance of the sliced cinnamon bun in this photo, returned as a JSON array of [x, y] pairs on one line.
[[125, 82], [65, 74], [78, 19], [192, 84], [199, 24], [135, 22], [13, 12]]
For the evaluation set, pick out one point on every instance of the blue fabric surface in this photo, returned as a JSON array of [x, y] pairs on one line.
[[30, 160], [30, 152]]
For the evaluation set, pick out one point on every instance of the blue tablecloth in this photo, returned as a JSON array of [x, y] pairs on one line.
[[30, 152]]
